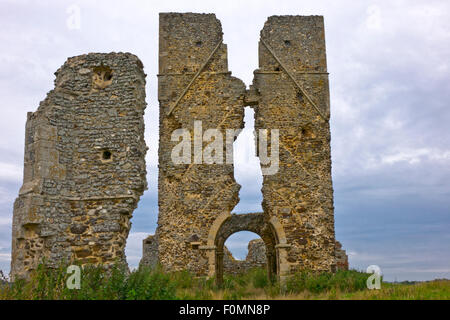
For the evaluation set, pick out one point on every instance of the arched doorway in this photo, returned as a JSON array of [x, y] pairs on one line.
[[253, 222], [270, 230]]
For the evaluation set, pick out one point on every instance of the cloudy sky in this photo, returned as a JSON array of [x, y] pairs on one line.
[[390, 112]]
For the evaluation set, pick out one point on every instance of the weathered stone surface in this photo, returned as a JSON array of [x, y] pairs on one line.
[[300, 194], [289, 94], [149, 252], [191, 196], [256, 257], [84, 165], [341, 257]]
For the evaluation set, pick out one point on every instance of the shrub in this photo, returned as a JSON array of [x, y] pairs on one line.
[[150, 284], [343, 280], [97, 283], [259, 278]]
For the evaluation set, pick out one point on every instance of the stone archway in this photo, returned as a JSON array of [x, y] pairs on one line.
[[271, 232]]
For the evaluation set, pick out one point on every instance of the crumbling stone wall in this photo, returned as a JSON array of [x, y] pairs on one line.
[[149, 252], [192, 195], [289, 94], [256, 258], [84, 166], [341, 257], [292, 95], [85, 154]]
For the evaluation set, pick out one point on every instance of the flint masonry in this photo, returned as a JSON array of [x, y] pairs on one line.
[[290, 93], [84, 165], [85, 155]]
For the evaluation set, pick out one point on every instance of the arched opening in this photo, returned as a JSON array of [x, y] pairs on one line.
[[270, 231], [253, 222], [237, 243], [242, 252]]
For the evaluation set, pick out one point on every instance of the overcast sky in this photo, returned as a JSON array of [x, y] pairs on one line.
[[390, 112]]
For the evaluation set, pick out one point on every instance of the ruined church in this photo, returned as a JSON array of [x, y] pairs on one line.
[[84, 163]]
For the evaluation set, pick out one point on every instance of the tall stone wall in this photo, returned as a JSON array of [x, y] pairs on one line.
[[292, 95], [192, 195], [84, 166]]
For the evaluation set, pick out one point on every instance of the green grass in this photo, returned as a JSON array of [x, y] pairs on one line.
[[145, 284], [96, 284], [344, 281]]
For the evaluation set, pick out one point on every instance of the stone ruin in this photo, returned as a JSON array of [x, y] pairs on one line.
[[290, 93], [84, 165], [85, 155], [256, 258]]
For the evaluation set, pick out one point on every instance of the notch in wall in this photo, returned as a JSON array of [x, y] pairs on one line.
[[102, 77]]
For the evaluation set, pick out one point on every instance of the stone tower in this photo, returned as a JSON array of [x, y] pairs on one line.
[[191, 195], [84, 165], [293, 96], [290, 96]]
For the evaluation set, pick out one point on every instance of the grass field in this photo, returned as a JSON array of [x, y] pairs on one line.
[[144, 284]]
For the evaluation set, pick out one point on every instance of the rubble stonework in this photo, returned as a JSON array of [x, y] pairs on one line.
[[290, 94], [293, 96], [84, 165], [341, 257], [191, 196], [149, 252], [256, 258]]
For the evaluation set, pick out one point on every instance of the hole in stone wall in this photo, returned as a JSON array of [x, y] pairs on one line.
[[101, 77], [287, 43], [277, 68], [106, 155], [307, 133]]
